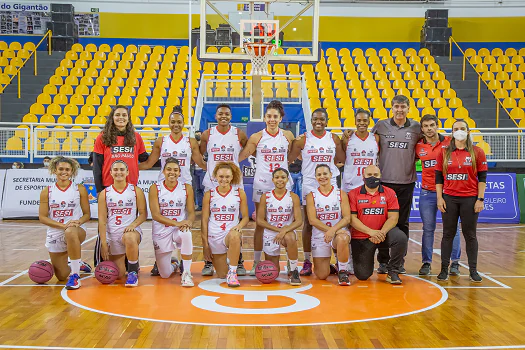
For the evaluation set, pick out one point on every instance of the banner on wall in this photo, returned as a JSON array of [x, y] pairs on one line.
[[501, 200], [520, 180], [26, 6]]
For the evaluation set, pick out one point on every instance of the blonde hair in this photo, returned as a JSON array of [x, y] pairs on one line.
[[53, 163], [236, 172], [452, 147]]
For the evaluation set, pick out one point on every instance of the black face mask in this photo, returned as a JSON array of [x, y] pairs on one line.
[[372, 182]]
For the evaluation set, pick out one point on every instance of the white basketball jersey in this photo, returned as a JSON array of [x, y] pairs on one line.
[[328, 209], [221, 148], [122, 207], [279, 211], [180, 150], [272, 153], [318, 150], [359, 154], [172, 204], [64, 205], [224, 211]]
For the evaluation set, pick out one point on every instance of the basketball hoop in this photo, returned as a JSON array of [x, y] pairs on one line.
[[260, 55]]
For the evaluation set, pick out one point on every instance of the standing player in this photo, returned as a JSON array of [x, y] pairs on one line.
[[64, 208], [221, 226], [279, 214], [329, 215], [222, 143], [272, 145], [428, 150], [172, 207], [317, 146], [461, 176], [119, 224]]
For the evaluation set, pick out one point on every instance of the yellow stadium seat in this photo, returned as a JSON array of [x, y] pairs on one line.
[[93, 100], [426, 110], [29, 118], [14, 144], [455, 102], [109, 100], [82, 118], [112, 90], [439, 102], [423, 102], [516, 76], [461, 113], [70, 144], [449, 93], [509, 103], [71, 109], [494, 85], [444, 113], [98, 120], [503, 60], [376, 102], [517, 60], [47, 118], [413, 113], [53, 109], [77, 99], [496, 67], [517, 114], [361, 102], [516, 94], [418, 93], [501, 93], [65, 119], [37, 108], [82, 89], [44, 98], [87, 145]]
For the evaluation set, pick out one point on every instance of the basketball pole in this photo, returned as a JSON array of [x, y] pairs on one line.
[[257, 93]]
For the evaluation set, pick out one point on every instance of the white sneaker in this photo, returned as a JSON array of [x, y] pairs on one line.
[[252, 271], [187, 279]]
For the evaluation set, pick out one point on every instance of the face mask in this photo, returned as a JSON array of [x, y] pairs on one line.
[[14, 167], [460, 135], [46, 164], [372, 182]]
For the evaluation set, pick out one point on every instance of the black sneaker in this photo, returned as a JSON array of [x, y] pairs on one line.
[[343, 278], [402, 270], [393, 278], [295, 280], [155, 270], [382, 269], [475, 277], [425, 269], [175, 263], [333, 269], [443, 275], [454, 269], [241, 270], [181, 268]]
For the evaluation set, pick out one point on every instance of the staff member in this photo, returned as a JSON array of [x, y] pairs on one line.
[[427, 150], [375, 212], [461, 176], [398, 137], [117, 141]]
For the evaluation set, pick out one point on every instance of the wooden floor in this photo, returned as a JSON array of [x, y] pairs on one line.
[[489, 315]]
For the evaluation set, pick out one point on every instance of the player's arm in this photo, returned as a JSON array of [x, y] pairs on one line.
[[289, 136], [196, 154], [98, 163], [154, 156], [84, 205], [261, 216], [251, 146], [103, 224], [312, 214], [190, 208], [340, 155], [243, 139], [43, 211], [297, 214], [205, 218], [244, 212], [297, 147], [154, 207], [345, 212], [141, 207], [391, 222], [205, 136]]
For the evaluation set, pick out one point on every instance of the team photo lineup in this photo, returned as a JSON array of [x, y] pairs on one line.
[[344, 216]]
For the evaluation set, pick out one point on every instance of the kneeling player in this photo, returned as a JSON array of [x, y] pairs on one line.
[[279, 213], [119, 224], [329, 215], [221, 228], [172, 207], [64, 208]]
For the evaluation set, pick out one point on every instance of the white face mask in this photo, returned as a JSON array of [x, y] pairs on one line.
[[460, 135], [46, 164], [14, 167]]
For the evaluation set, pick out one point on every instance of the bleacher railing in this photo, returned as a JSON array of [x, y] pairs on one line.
[[499, 104], [33, 53]]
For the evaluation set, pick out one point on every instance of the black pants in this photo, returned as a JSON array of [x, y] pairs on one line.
[[363, 251], [404, 197], [460, 207]]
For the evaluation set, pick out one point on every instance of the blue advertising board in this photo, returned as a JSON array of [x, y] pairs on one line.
[[501, 200]]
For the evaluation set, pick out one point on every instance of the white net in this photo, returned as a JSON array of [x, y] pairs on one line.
[[260, 55]]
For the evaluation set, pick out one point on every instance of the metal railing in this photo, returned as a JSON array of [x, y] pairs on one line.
[[17, 73], [465, 60]]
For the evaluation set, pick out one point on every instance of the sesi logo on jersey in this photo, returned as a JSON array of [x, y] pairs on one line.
[[322, 158], [223, 217], [459, 177], [223, 157], [274, 157], [397, 144], [363, 161], [122, 149], [279, 218], [328, 216], [170, 212], [429, 163], [121, 211], [62, 213], [373, 211]]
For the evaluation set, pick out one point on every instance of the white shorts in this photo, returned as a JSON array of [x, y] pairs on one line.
[[321, 249], [56, 240], [269, 246], [217, 243], [309, 185], [166, 244], [116, 246]]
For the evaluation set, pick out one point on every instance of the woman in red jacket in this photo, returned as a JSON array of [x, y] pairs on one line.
[[461, 176]]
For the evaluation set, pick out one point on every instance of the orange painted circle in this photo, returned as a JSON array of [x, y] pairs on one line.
[[211, 302]]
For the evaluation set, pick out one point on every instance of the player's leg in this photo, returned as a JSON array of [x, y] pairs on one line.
[[322, 267], [307, 245], [186, 251], [74, 237], [164, 264], [220, 262], [397, 241], [427, 211], [340, 243], [131, 242], [292, 251], [257, 241], [233, 242], [363, 253], [207, 270], [60, 265], [456, 253]]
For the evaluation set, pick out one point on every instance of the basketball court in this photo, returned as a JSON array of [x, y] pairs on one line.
[[421, 313]]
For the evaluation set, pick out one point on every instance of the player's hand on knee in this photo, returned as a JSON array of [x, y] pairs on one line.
[[130, 228], [279, 238], [329, 235], [72, 223], [104, 251]]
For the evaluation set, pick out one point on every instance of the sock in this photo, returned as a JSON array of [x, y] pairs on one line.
[[233, 268], [307, 255], [75, 266], [133, 266], [187, 265], [342, 265], [293, 265], [257, 255]]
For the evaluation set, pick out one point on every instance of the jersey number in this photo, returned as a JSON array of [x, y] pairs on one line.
[[360, 170], [118, 220], [274, 166], [223, 226]]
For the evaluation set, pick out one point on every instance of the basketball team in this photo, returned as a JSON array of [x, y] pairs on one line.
[[370, 212]]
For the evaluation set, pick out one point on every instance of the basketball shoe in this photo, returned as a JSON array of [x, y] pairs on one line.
[[475, 277], [343, 278], [382, 269], [187, 279], [73, 282], [155, 270], [232, 280], [307, 268], [393, 278], [454, 269], [207, 270], [241, 270], [295, 280], [85, 267], [443, 275], [133, 279]]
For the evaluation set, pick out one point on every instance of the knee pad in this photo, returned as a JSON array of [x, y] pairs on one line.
[[187, 242]]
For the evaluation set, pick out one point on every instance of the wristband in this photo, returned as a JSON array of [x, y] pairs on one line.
[[481, 199]]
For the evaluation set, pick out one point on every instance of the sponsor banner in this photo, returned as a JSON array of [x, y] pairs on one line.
[[501, 200], [26, 6], [2, 178], [520, 180]]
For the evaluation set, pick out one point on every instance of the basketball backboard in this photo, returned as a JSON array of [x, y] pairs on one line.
[[293, 25]]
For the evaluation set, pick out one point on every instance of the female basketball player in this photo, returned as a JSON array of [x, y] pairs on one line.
[[329, 215], [315, 147], [279, 214], [64, 208], [221, 228], [119, 224], [272, 146], [172, 207]]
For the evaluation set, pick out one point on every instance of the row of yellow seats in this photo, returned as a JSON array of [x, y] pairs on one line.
[[378, 76], [390, 67], [500, 60], [350, 122], [357, 91], [125, 57], [497, 52], [16, 46], [382, 52], [386, 100], [279, 51], [383, 83], [106, 77], [510, 103], [381, 60], [137, 70], [240, 93], [503, 76], [514, 93], [130, 82], [130, 48], [496, 67]]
